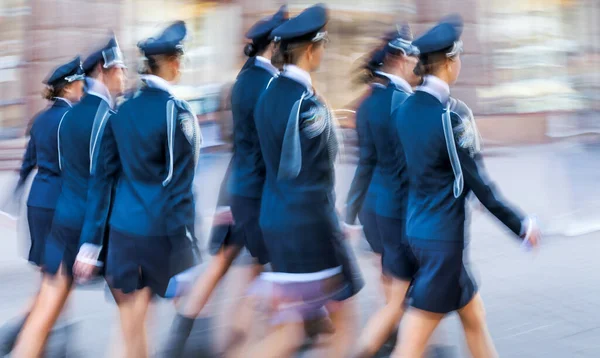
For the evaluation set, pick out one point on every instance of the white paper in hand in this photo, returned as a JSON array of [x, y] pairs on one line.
[[11, 199]]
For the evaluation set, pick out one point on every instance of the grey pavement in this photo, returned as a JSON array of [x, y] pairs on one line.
[[542, 304]]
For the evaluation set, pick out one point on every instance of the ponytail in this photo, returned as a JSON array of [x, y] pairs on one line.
[[53, 91], [250, 50], [257, 46]]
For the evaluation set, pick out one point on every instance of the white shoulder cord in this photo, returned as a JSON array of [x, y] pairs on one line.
[[170, 138], [452, 153], [58, 140]]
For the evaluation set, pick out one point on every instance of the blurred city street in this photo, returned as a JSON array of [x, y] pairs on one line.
[[542, 304], [530, 73]]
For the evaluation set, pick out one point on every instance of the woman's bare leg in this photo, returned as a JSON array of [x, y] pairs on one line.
[[384, 322], [133, 310], [273, 342], [11, 329], [206, 284], [51, 299], [343, 317], [477, 335], [242, 312], [196, 301], [416, 332]]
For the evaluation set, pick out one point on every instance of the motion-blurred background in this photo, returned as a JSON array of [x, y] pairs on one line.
[[531, 74], [531, 67]]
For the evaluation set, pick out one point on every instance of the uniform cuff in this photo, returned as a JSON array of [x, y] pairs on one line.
[[527, 226], [351, 226], [88, 254], [222, 209]]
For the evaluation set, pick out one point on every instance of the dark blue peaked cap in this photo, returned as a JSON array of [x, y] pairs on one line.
[[264, 27], [110, 53], [402, 41], [69, 72], [170, 41], [399, 40], [306, 26], [444, 35]]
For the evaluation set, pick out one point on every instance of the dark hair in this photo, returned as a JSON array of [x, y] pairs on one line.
[[430, 63], [277, 57], [92, 71], [375, 61], [151, 63], [56, 90], [250, 50], [257, 46]]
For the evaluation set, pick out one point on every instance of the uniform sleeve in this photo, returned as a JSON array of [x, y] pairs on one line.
[[184, 149], [224, 197], [477, 181], [364, 171], [103, 174], [29, 161]]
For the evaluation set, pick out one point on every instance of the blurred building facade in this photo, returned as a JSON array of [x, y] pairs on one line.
[[523, 60]]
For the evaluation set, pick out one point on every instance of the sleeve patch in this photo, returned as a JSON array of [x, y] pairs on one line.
[[314, 121], [187, 127]]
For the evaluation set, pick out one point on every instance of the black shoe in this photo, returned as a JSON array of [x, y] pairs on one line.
[[439, 351], [323, 325], [200, 340], [384, 352], [392, 340], [178, 336], [59, 340], [9, 333], [308, 344]]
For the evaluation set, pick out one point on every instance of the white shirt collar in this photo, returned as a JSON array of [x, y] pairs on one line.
[[157, 82], [397, 80], [266, 64], [98, 89], [435, 87], [64, 99], [297, 74]]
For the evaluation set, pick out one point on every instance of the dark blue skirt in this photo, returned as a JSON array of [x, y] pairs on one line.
[[397, 259], [351, 274], [40, 225], [246, 213], [62, 246], [442, 283], [222, 236], [368, 220], [134, 262], [245, 232]]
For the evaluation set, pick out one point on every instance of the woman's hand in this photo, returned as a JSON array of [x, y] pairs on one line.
[[223, 216]]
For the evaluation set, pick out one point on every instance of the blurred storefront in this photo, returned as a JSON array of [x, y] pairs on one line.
[[523, 58], [12, 30]]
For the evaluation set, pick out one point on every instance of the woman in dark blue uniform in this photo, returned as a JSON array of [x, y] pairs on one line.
[[75, 132], [148, 152], [392, 69], [440, 150], [242, 188], [64, 88], [361, 198], [311, 266]]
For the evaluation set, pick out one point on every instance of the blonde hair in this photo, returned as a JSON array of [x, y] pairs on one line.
[[53, 91]]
